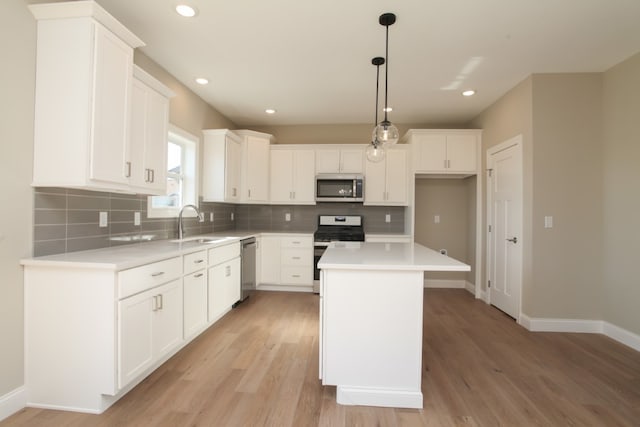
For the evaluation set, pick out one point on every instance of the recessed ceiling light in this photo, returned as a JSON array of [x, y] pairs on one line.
[[270, 111], [202, 81], [186, 10], [387, 109], [469, 92]]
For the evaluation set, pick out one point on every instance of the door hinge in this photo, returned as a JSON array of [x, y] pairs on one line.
[[488, 283]]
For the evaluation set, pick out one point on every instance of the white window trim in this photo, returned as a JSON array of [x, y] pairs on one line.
[[190, 181]]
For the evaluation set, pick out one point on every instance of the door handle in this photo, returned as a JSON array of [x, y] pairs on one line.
[[514, 240]]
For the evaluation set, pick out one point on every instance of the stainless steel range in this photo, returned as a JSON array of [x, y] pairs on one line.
[[334, 228]]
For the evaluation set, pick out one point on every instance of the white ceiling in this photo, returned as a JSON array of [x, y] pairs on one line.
[[311, 59]]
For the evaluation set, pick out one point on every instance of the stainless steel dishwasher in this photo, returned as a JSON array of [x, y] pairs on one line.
[[248, 274]]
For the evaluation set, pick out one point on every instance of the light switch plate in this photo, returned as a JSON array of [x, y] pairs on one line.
[[436, 219], [387, 218], [103, 219], [210, 216], [548, 221], [136, 218], [231, 216], [287, 216]]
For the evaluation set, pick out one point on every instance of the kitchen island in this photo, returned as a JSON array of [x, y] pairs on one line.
[[371, 298]]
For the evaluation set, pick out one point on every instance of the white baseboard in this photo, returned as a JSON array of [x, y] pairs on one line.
[[285, 288], [12, 402], [614, 332]]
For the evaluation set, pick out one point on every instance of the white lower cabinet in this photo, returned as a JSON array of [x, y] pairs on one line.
[[286, 261], [149, 327], [223, 279], [195, 303]]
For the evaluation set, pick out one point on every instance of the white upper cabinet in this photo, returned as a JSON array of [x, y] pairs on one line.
[[339, 160], [254, 166], [83, 97], [147, 160], [221, 166], [386, 182], [444, 151], [292, 176]]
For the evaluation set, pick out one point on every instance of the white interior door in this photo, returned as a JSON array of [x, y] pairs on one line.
[[505, 225]]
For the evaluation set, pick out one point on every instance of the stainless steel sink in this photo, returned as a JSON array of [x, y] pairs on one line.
[[200, 240]]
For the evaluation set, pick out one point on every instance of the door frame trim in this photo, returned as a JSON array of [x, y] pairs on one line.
[[511, 142]]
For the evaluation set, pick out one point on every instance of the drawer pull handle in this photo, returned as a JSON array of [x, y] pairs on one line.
[[295, 275], [296, 257], [199, 275], [159, 273], [198, 261]]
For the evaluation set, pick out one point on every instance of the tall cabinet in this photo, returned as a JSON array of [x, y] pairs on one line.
[[84, 78]]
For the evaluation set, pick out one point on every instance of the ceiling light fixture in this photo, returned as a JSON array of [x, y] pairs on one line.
[[375, 150], [469, 92], [186, 10], [385, 131], [270, 111], [202, 81]]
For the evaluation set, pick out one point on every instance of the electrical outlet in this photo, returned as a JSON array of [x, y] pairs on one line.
[[104, 221], [231, 216], [200, 217], [210, 216], [436, 219], [287, 216], [136, 218], [387, 218], [548, 222]]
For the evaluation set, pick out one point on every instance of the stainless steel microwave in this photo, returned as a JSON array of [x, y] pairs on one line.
[[339, 187]]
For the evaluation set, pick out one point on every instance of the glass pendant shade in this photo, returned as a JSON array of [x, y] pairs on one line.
[[386, 133], [375, 152]]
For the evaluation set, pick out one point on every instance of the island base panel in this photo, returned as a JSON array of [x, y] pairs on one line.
[[383, 398]]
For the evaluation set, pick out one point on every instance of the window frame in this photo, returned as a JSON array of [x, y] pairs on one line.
[[189, 176]]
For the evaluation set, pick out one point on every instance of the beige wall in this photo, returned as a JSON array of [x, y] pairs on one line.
[[334, 134], [621, 201], [508, 117], [17, 76], [567, 184], [449, 199]]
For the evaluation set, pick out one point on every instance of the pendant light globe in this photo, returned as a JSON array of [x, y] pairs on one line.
[[375, 152], [386, 132]]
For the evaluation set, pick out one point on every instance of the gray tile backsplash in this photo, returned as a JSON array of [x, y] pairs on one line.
[[67, 220]]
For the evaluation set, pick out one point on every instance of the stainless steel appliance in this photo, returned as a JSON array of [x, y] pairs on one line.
[[334, 228], [248, 273], [339, 187]]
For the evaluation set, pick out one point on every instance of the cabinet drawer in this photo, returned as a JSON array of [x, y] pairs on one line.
[[297, 275], [147, 276], [305, 241], [297, 257], [194, 262], [223, 253]]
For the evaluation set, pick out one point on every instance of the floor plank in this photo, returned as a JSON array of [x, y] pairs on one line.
[[258, 366]]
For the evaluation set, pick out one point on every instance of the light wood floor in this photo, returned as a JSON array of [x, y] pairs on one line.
[[258, 367]]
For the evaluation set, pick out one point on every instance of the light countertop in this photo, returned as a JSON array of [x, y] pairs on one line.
[[133, 255], [387, 256]]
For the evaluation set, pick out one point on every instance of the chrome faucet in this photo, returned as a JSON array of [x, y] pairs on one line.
[[180, 226]]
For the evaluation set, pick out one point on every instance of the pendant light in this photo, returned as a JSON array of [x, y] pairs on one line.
[[385, 131], [375, 150]]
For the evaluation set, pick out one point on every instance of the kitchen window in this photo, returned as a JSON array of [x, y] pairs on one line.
[[182, 189]]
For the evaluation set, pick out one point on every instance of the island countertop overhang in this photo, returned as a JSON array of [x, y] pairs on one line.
[[387, 256]]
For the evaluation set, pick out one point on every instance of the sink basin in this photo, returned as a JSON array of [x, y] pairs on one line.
[[200, 240]]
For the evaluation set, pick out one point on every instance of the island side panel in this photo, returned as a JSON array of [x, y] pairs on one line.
[[372, 335]]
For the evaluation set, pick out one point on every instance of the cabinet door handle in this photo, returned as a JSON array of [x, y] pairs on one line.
[[154, 303], [249, 193], [198, 261], [156, 274], [198, 275], [514, 240], [161, 302], [128, 175], [153, 175], [227, 271]]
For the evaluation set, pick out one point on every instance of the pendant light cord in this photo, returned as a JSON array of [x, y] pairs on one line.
[[386, 75], [377, 87]]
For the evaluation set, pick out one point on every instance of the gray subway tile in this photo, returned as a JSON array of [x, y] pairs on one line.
[[88, 202], [83, 216], [49, 232], [51, 190], [85, 230], [49, 247], [87, 243], [49, 216], [50, 201], [125, 204], [90, 193], [123, 216], [124, 227]]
